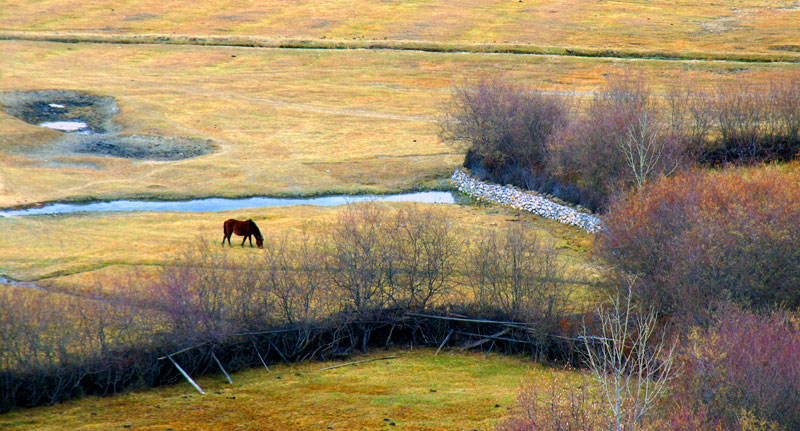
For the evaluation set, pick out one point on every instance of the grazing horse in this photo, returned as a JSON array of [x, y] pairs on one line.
[[242, 228]]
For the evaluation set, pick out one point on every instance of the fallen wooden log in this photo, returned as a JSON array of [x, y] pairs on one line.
[[444, 342], [461, 319], [486, 338], [359, 362], [186, 375], [181, 351]]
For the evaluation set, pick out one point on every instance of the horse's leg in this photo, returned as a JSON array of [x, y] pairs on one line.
[[251, 240], [244, 240]]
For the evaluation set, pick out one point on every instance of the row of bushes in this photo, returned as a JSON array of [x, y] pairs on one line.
[[623, 137], [370, 258], [53, 345]]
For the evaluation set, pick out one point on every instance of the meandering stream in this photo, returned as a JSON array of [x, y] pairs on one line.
[[222, 204]]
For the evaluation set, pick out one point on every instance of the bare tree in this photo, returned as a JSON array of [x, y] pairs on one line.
[[649, 151], [425, 248], [293, 272], [358, 257], [632, 364]]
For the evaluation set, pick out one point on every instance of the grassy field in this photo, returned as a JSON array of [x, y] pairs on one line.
[[416, 391], [766, 27], [75, 250], [312, 121], [285, 122]]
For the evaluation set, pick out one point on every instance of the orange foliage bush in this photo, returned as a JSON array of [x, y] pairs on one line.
[[739, 373], [703, 237]]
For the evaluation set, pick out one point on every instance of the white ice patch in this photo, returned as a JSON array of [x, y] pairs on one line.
[[65, 126], [56, 105]]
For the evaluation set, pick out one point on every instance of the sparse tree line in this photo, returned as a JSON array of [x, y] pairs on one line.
[[624, 136], [343, 290]]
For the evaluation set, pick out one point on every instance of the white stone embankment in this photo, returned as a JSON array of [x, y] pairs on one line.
[[524, 200]]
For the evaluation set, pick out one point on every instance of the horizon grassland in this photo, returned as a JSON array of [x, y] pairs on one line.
[[316, 98]]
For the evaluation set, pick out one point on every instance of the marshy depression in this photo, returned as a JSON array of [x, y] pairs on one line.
[[88, 127]]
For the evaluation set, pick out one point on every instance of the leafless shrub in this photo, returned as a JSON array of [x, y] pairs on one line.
[[504, 125], [518, 273], [622, 140], [425, 249], [784, 93], [564, 408], [742, 112], [207, 294], [50, 343], [358, 259], [294, 276], [649, 151], [691, 119]]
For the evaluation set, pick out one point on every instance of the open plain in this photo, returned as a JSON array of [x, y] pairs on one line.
[[298, 99]]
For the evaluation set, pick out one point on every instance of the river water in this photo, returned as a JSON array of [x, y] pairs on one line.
[[222, 204]]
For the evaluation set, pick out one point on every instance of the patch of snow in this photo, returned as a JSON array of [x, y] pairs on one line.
[[65, 126]]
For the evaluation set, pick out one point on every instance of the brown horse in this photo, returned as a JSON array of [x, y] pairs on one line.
[[242, 228]]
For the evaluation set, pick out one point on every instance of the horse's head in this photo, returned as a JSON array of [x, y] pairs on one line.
[[260, 241]]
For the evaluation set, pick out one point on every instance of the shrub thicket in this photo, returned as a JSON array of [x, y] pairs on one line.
[[506, 127], [738, 373], [563, 408], [621, 141], [624, 137], [518, 273], [703, 237]]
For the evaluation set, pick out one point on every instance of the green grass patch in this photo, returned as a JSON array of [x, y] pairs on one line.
[[416, 391]]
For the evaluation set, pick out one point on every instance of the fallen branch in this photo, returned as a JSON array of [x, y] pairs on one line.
[[444, 342], [279, 352], [385, 358], [486, 338], [259, 355], [213, 356], [185, 374], [513, 340], [181, 351], [461, 319]]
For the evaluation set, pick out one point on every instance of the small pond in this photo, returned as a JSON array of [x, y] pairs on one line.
[[222, 204], [67, 126]]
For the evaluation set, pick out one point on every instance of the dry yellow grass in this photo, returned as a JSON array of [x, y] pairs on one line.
[[73, 251], [416, 391], [726, 26], [286, 121]]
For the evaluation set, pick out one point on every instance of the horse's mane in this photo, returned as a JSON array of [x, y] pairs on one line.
[[257, 232]]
